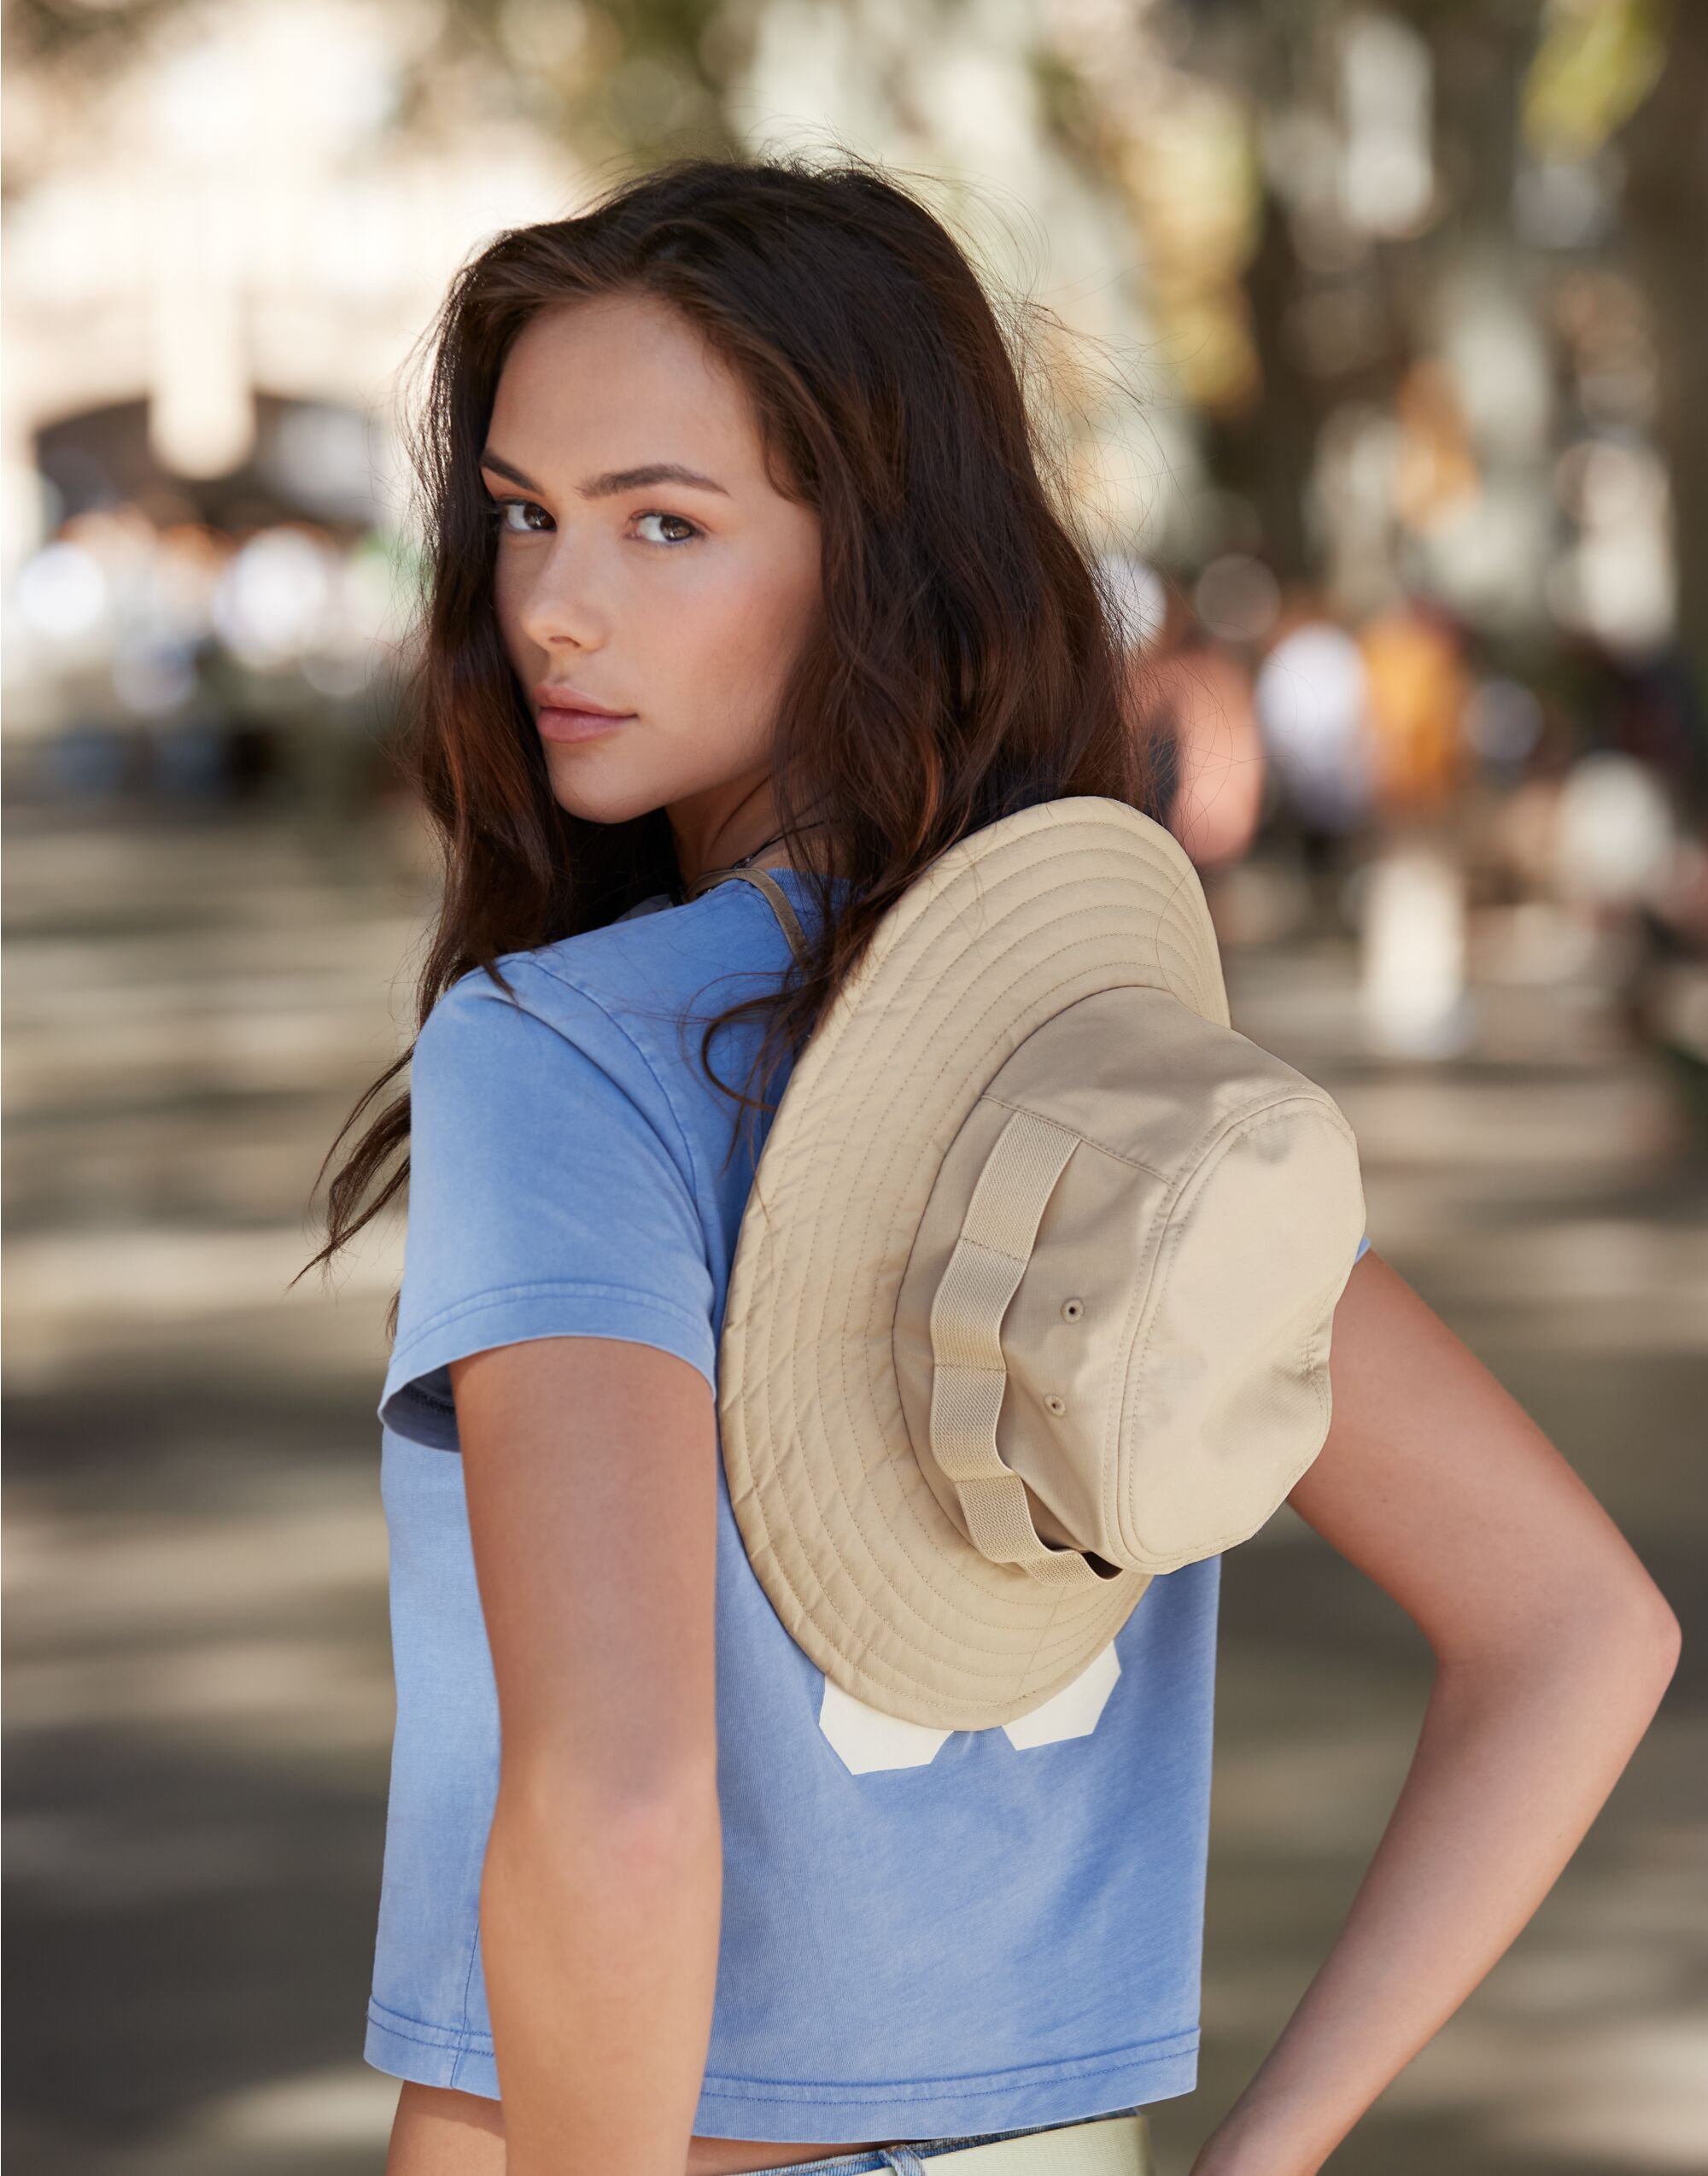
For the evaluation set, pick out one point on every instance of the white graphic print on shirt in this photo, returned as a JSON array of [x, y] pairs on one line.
[[865, 1738]]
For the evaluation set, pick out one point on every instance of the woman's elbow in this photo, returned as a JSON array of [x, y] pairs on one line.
[[567, 1857], [1599, 1617], [1652, 1635], [1618, 1630], [652, 1810]]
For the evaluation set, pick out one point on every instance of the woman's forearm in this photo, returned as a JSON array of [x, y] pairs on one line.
[[599, 1944], [1514, 1759]]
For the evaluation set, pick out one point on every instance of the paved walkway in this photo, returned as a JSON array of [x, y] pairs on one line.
[[199, 1692]]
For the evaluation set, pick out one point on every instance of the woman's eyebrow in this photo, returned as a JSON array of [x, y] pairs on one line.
[[613, 480]]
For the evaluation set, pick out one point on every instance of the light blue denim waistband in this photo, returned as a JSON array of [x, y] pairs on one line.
[[909, 2160]]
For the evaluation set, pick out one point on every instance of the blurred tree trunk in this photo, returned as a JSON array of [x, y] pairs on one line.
[[1665, 145], [1273, 449]]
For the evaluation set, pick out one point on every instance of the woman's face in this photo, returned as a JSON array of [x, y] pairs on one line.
[[652, 585]]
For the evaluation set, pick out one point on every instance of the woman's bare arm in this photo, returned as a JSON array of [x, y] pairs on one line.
[[1553, 1647], [590, 1465]]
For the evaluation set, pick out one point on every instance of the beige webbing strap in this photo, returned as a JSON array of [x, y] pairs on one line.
[[969, 1376], [762, 879]]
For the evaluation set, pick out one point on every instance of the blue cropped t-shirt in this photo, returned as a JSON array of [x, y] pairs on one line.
[[922, 1934]]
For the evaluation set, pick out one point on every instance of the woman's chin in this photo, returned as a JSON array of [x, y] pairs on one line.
[[597, 792]]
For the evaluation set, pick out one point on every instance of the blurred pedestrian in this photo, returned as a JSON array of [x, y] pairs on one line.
[[1192, 703], [1416, 690], [1312, 698]]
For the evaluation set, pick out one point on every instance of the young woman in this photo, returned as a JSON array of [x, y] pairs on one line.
[[741, 555]]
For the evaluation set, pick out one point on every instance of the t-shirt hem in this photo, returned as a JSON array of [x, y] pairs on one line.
[[768, 2110]]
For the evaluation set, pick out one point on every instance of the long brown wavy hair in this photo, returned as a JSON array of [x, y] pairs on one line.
[[964, 664]]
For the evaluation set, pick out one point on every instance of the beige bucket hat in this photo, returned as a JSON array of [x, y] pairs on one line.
[[1032, 1295]]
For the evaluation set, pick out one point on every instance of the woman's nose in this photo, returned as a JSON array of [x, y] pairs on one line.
[[563, 603]]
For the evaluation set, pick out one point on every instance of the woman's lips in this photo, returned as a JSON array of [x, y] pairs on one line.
[[579, 725]]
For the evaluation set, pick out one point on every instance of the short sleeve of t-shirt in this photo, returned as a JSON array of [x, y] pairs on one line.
[[1363, 1249], [550, 1193]]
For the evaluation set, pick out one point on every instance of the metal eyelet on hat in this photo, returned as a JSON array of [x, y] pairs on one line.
[[1055, 1405], [1071, 1310]]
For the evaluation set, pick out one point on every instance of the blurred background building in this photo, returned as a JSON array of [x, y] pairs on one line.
[[1377, 346]]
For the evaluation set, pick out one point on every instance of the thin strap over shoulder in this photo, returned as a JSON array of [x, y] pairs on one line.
[[762, 879]]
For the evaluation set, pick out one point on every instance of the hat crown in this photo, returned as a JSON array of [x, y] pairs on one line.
[[1163, 1386]]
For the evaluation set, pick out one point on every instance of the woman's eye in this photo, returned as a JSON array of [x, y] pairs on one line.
[[677, 529], [502, 509]]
